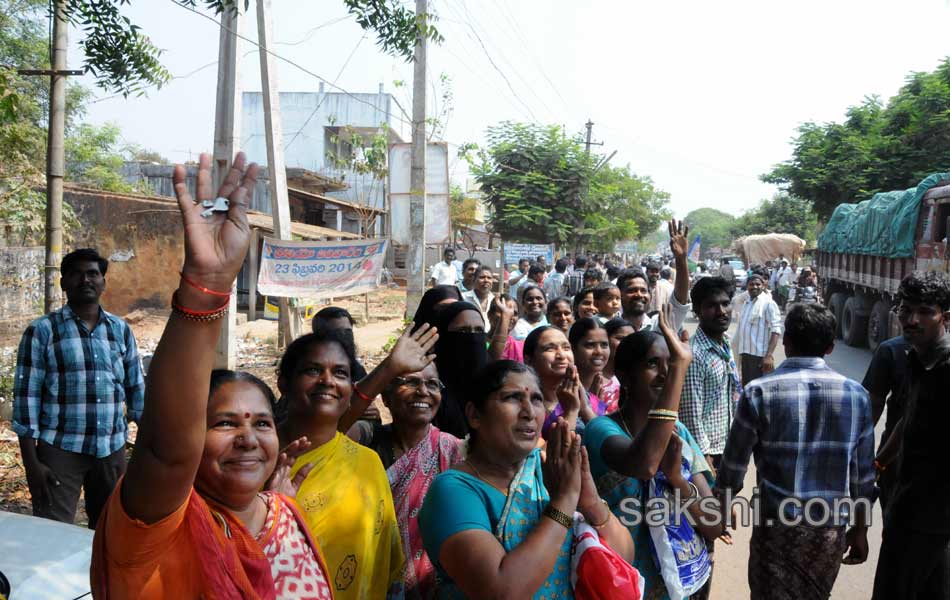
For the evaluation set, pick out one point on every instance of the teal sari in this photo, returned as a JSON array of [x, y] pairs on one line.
[[614, 488], [527, 498]]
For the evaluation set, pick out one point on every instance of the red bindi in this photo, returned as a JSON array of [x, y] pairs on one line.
[[247, 415]]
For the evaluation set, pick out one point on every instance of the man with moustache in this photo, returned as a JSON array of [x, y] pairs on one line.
[[915, 552], [712, 381], [469, 268], [760, 327], [78, 379], [634, 287]]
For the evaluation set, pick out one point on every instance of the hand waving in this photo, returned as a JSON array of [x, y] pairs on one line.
[[215, 246], [281, 481], [411, 352], [679, 238]]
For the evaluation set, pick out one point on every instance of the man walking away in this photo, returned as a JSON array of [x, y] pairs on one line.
[[884, 381], [574, 282], [712, 383], [914, 562], [554, 283], [760, 327], [445, 272], [77, 373], [811, 432]]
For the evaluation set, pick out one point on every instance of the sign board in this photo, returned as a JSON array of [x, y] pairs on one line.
[[515, 252], [626, 248], [318, 270], [438, 224]]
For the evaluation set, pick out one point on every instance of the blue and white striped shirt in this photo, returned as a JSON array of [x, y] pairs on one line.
[[811, 432], [71, 383]]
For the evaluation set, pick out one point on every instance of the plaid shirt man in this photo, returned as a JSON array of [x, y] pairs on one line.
[[811, 432], [573, 283], [709, 393], [71, 383]]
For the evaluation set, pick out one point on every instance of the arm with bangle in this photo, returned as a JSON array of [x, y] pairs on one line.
[[499, 335], [410, 354]]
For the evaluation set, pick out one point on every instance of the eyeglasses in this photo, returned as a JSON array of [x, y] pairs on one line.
[[433, 386]]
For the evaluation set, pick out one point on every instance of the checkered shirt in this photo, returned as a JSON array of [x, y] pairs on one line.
[[707, 403]]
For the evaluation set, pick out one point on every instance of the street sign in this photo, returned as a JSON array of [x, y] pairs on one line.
[[626, 248], [515, 252]]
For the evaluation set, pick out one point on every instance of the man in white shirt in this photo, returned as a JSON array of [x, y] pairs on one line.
[[445, 272], [759, 330], [784, 278], [519, 277], [554, 283], [664, 287]]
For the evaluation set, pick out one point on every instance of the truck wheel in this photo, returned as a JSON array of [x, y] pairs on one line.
[[836, 304], [854, 327], [878, 324]]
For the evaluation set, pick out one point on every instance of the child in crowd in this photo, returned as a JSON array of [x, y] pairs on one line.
[[607, 301]]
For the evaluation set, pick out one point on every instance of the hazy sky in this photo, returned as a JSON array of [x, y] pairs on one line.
[[703, 97]]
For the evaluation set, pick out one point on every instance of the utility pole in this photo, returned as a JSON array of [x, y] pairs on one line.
[[590, 131], [227, 139], [280, 207], [417, 173], [55, 160]]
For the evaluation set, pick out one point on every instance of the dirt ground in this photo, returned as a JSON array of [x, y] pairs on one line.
[[256, 352]]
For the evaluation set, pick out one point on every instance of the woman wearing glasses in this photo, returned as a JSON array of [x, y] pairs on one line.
[[413, 452]]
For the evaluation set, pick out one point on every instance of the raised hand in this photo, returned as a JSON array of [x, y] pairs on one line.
[[503, 309], [679, 238], [281, 480], [411, 352], [679, 350], [215, 246]]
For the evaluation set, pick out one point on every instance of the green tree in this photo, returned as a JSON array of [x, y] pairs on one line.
[[714, 227], [541, 186], [621, 206], [94, 158], [533, 177], [782, 214], [877, 148]]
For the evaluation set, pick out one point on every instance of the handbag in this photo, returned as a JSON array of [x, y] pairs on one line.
[[597, 571]]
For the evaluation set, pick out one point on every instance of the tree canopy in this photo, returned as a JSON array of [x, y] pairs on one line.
[[782, 214], [714, 226], [877, 148], [543, 187]]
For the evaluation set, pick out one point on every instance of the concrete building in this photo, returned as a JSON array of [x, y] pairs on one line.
[[316, 124]]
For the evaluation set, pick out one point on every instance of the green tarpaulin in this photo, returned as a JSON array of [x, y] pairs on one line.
[[882, 226]]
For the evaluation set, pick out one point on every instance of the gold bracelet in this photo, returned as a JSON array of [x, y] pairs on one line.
[[603, 524], [558, 517], [663, 413], [661, 418]]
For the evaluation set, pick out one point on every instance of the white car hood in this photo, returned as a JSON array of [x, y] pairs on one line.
[[43, 559]]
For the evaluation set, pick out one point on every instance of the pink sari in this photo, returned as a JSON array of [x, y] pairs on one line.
[[409, 478]]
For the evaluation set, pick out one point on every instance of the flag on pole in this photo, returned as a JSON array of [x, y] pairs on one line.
[[693, 253]]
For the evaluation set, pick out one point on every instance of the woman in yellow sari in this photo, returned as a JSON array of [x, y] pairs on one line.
[[345, 498]]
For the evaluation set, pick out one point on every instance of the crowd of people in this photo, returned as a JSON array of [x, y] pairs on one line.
[[523, 409]]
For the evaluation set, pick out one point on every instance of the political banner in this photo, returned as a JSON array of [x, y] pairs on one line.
[[515, 252], [317, 270], [693, 253]]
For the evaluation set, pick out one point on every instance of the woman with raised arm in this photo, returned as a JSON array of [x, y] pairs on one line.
[[346, 497], [499, 524], [628, 447], [189, 519]]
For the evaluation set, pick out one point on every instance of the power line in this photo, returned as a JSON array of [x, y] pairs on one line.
[[310, 33], [474, 35], [320, 103]]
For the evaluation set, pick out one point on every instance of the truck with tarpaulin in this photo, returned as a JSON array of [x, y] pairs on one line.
[[867, 248]]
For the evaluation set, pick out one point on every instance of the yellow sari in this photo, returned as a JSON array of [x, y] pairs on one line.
[[348, 505]]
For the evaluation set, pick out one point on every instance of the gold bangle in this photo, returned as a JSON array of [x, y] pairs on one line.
[[558, 517], [663, 412], [603, 524], [661, 418]]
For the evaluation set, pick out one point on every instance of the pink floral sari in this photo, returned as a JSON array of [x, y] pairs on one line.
[[409, 478]]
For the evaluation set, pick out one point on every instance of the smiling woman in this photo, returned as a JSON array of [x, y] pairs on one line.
[[345, 497], [189, 519]]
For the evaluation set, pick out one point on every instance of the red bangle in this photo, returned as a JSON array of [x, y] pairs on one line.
[[199, 315], [363, 396], [203, 288], [879, 467]]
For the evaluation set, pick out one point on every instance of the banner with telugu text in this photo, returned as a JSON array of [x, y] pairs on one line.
[[317, 270]]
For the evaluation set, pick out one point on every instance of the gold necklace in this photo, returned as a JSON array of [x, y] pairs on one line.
[[479, 475]]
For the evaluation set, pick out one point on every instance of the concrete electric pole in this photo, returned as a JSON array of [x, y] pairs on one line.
[[227, 141], [55, 160], [417, 174]]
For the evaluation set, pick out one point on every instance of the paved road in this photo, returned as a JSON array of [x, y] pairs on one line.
[[854, 582]]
